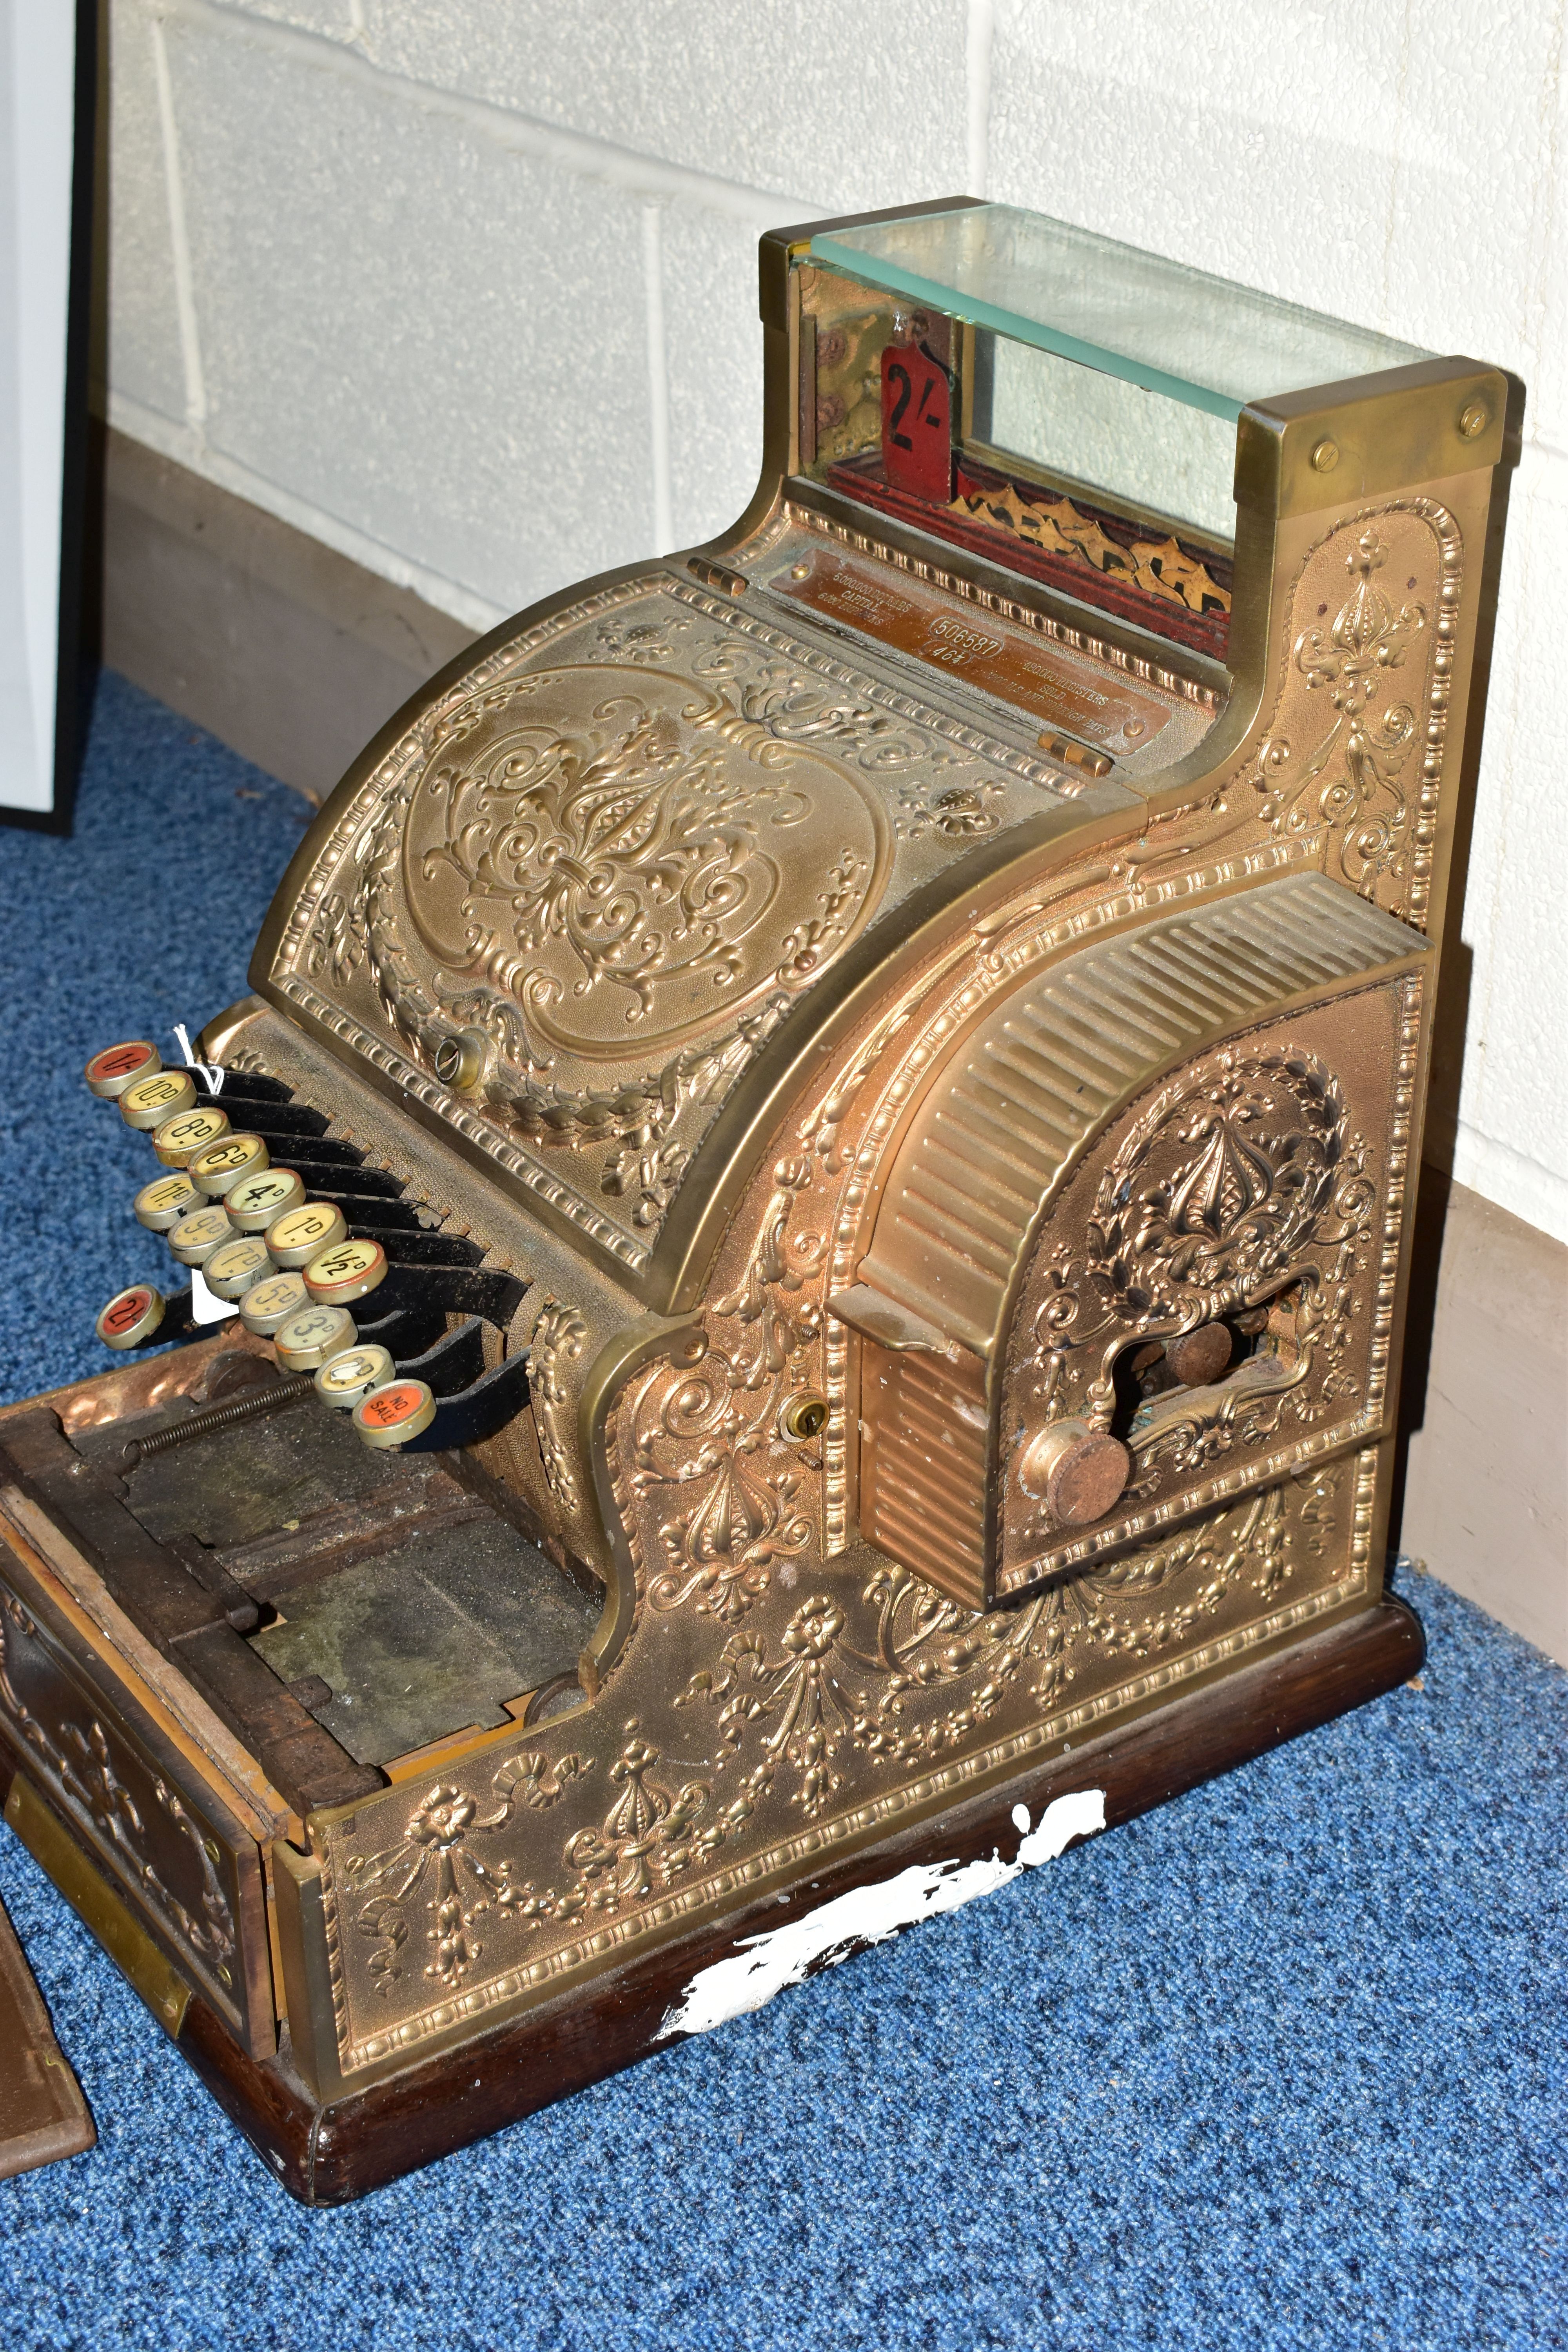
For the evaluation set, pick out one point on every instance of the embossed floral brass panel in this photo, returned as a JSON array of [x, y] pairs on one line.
[[187, 1868], [610, 861]]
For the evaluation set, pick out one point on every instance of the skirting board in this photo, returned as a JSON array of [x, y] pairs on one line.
[[294, 655], [287, 651]]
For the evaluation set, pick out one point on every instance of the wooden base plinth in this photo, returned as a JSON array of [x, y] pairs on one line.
[[329, 2154]]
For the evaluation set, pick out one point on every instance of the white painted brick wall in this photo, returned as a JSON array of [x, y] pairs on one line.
[[467, 287]]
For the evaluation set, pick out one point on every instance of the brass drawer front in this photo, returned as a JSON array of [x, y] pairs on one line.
[[167, 1844]]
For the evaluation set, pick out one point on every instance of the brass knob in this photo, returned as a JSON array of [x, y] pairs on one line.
[[1199, 1356], [1078, 1473]]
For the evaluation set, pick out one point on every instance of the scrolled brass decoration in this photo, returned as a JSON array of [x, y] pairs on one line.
[[433, 1864], [1057, 527], [558, 1339], [711, 1443], [586, 897], [95, 1776], [1361, 800], [1218, 1186], [1232, 1173]]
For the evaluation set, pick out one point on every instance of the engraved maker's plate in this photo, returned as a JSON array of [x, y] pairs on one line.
[[607, 862]]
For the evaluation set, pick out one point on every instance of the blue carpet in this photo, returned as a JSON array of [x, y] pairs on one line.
[[1280, 2065]]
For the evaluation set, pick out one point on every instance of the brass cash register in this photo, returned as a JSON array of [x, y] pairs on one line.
[[799, 1259]]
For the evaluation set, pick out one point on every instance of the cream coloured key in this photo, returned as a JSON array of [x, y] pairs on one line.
[[217, 1168], [178, 1139], [343, 1380], [237, 1267], [148, 1102], [257, 1201], [301, 1235], [162, 1203], [270, 1302]]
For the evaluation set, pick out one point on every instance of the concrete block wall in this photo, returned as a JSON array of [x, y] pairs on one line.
[[466, 289]]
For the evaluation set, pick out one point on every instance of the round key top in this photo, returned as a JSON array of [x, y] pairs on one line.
[[270, 1302], [148, 1102], [199, 1234], [217, 1166], [392, 1414], [257, 1201], [237, 1267], [178, 1139], [310, 1338], [131, 1315], [343, 1380], [348, 1270], [301, 1235], [163, 1201], [119, 1066]]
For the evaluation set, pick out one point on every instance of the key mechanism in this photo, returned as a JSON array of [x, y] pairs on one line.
[[219, 1166], [259, 1200], [390, 1416], [118, 1068], [301, 1235], [147, 1102], [178, 1139], [1198, 1358], [161, 1205]]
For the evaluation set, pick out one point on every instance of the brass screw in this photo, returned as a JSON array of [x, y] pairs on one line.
[[1325, 456], [804, 1417], [210, 1849], [1474, 419], [800, 571]]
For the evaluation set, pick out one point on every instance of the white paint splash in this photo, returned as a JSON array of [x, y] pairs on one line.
[[765, 1964], [206, 1306]]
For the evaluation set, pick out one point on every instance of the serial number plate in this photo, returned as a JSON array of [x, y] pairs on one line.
[[1045, 680]]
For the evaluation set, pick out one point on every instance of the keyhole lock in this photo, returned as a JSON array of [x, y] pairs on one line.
[[802, 1417], [459, 1061]]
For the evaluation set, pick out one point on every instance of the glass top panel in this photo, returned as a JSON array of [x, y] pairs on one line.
[[1156, 323]]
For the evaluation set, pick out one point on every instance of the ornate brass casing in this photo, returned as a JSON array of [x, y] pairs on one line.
[[931, 1005]]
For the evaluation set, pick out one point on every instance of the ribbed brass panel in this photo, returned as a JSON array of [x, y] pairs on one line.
[[1035, 1080], [922, 1466]]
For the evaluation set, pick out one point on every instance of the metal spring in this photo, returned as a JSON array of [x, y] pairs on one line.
[[217, 1416]]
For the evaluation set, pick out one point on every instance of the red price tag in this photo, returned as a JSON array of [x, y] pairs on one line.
[[917, 422]]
